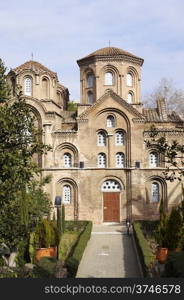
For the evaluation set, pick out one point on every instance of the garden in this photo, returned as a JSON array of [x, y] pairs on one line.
[[160, 244], [49, 253]]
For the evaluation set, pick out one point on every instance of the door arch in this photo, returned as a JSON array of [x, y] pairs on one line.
[[111, 200]]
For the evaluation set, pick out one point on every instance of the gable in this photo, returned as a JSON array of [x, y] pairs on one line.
[[113, 97]]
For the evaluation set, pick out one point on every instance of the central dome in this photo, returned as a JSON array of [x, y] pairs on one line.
[[111, 52]]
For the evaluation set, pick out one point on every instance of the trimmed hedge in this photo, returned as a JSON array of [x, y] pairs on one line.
[[68, 240], [174, 266], [73, 261], [145, 253]]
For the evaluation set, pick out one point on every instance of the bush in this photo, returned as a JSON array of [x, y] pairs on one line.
[[45, 267], [145, 253], [73, 261], [174, 229], [67, 242], [174, 266], [45, 235]]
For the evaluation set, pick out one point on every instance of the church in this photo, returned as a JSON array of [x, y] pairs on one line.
[[99, 162]]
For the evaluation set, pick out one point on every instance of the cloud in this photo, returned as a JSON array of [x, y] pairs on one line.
[[59, 32]]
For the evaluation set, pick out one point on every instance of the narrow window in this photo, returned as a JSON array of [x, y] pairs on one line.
[[90, 97], [28, 86], [45, 88], [108, 78], [129, 79], [153, 159], [66, 194], [101, 138], [130, 97], [155, 193], [90, 80], [101, 160], [110, 121], [120, 161], [119, 138], [67, 160]]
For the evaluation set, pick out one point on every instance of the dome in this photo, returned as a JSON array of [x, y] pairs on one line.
[[110, 52]]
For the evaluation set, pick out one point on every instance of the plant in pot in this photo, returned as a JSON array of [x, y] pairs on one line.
[[46, 240], [161, 235]]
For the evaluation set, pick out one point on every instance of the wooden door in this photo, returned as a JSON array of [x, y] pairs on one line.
[[111, 207]]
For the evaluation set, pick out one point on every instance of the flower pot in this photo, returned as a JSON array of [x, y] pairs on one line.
[[162, 254], [42, 252]]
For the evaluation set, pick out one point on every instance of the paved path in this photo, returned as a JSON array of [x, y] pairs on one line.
[[110, 253]]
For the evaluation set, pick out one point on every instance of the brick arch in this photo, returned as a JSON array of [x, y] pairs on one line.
[[72, 210], [67, 147]]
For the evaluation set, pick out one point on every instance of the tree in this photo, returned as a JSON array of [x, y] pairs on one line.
[[72, 106], [22, 200], [174, 97], [171, 151]]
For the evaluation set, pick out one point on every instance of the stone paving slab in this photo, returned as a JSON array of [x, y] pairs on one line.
[[110, 253]]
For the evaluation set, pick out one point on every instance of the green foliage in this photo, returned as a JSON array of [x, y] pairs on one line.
[[45, 235], [174, 229], [161, 235], [72, 106], [63, 219], [46, 267], [22, 200], [73, 261], [146, 255], [174, 266], [4, 89], [68, 239]]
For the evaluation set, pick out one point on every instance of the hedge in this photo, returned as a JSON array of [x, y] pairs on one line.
[[73, 261], [68, 240], [145, 253]]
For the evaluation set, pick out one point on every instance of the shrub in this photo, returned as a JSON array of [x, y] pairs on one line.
[[174, 229], [73, 261], [146, 255], [67, 242], [45, 267], [174, 266]]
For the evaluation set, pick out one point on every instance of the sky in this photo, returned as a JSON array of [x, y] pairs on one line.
[[59, 32]]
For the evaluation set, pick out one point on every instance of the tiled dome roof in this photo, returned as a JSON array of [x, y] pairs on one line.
[[35, 66], [110, 52]]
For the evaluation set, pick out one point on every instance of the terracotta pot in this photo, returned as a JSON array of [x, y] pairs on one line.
[[42, 252], [162, 254]]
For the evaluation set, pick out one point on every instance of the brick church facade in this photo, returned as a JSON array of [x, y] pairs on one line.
[[99, 162]]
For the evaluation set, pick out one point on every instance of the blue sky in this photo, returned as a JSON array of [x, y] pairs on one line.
[[59, 32]]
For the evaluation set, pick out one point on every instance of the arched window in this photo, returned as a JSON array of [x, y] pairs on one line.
[[153, 159], [119, 138], [155, 192], [130, 97], [111, 186], [67, 160], [129, 79], [66, 194], [28, 86], [120, 160], [90, 97], [45, 88], [90, 80], [101, 160], [110, 121], [101, 138], [108, 78]]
